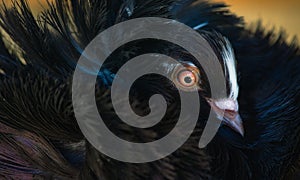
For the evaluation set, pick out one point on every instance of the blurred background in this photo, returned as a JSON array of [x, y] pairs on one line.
[[278, 13], [281, 14]]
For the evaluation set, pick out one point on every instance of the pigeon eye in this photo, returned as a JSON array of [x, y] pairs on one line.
[[187, 77]]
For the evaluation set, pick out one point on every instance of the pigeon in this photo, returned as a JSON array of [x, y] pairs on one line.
[[40, 138]]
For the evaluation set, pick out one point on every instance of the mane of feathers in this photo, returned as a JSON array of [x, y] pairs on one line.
[[39, 136]]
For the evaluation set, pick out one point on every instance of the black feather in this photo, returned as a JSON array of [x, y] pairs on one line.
[[39, 135]]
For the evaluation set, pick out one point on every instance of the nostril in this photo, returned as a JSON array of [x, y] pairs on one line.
[[230, 113], [227, 105]]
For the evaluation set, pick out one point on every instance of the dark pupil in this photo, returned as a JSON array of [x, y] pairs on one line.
[[188, 80]]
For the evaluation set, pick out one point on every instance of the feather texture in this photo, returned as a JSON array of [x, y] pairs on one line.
[[39, 135]]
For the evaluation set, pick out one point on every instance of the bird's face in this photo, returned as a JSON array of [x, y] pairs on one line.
[[190, 77]]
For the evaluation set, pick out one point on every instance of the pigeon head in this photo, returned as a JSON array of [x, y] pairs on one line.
[[188, 75]]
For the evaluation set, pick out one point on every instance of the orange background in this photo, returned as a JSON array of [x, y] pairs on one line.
[[284, 14]]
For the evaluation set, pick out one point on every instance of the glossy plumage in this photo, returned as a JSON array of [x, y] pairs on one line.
[[40, 138]]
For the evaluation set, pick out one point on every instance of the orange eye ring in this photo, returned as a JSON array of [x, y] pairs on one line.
[[187, 77]]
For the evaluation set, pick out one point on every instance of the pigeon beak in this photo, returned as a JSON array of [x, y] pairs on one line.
[[227, 111]]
